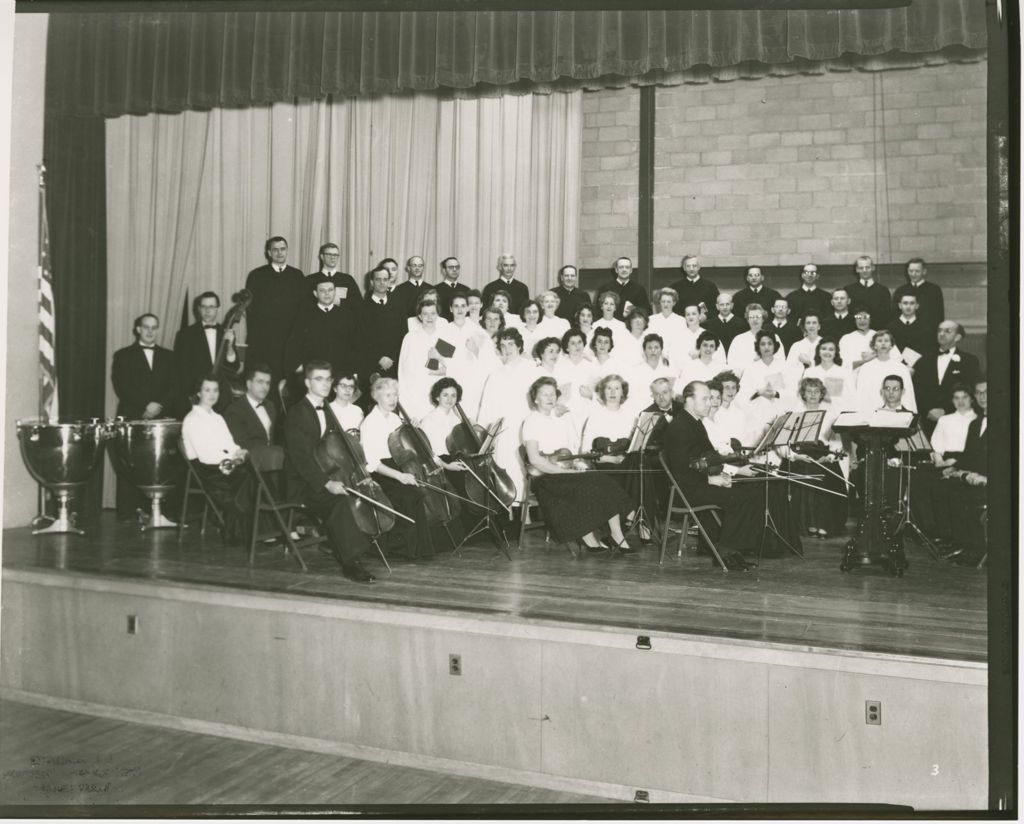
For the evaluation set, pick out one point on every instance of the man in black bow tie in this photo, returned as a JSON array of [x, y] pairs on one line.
[[935, 374], [145, 382], [196, 348]]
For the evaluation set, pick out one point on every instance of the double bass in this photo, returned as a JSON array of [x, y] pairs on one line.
[[486, 480], [341, 456], [228, 374]]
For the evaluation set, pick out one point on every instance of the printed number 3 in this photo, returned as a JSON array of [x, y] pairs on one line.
[[935, 769]]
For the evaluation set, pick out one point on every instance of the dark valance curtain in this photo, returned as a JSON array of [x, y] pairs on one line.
[[134, 63]]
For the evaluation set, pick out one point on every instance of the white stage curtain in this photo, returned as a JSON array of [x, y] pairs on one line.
[[192, 197]]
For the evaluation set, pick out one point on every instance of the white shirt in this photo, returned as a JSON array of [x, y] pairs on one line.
[[804, 346], [607, 423], [260, 409], [211, 342], [640, 377], [206, 437], [148, 352], [730, 422], [697, 370], [950, 433], [374, 433], [619, 330], [437, 425], [349, 416], [550, 432], [943, 361]]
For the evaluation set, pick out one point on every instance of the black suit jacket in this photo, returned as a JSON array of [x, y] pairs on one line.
[[136, 385], [788, 334], [802, 302], [686, 439], [332, 336], [930, 393], [192, 358], [834, 328], [657, 437], [341, 280], [917, 336], [383, 328], [629, 291], [571, 302], [303, 474], [726, 330], [931, 306], [276, 298], [975, 454], [445, 295], [874, 298], [694, 294], [406, 295], [518, 292], [245, 426], [765, 298]]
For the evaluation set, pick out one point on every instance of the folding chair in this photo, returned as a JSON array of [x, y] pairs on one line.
[[984, 527], [194, 488], [685, 509], [270, 461]]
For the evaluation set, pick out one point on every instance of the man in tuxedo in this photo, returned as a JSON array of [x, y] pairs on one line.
[[449, 286], [936, 374], [909, 331], [407, 294], [383, 327], [931, 304], [251, 418], [517, 290], [686, 441], [628, 290], [866, 293], [809, 298], [345, 287], [304, 426], [571, 297], [196, 348], [694, 290], [725, 323], [277, 294], [840, 320], [145, 381], [755, 291], [785, 328]]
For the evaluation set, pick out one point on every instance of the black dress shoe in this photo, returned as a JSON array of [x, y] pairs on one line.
[[357, 572], [594, 550]]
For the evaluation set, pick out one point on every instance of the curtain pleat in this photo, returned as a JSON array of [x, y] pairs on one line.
[[109, 64]]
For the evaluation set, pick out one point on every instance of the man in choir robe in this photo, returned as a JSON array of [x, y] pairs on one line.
[[909, 331], [145, 381], [324, 332], [571, 297], [518, 292], [839, 321], [785, 328], [809, 298], [756, 292], [407, 294], [629, 291], [930, 302], [724, 322], [196, 348], [867, 293], [695, 290], [277, 294], [383, 328], [304, 426], [686, 441], [936, 374], [345, 287], [449, 286]]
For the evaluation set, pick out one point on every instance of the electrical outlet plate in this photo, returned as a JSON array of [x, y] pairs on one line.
[[873, 712], [454, 664]]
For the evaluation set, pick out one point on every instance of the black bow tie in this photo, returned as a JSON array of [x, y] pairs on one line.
[[148, 345], [319, 408], [261, 403], [209, 326]]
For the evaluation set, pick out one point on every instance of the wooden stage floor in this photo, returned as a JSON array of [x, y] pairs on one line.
[[936, 610]]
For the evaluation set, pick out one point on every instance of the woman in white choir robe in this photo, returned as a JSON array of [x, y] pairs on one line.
[[500, 300], [475, 303], [577, 374], [530, 329], [469, 340], [670, 326], [767, 386], [415, 376], [641, 375], [607, 305], [801, 353], [493, 323], [505, 398], [425, 297], [630, 349], [873, 373], [552, 326], [546, 353], [584, 321], [839, 381], [602, 344], [688, 337], [702, 368]]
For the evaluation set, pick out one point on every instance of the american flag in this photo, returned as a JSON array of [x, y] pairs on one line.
[[47, 332]]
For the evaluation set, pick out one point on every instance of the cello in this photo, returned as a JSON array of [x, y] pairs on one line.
[[341, 456], [227, 373], [486, 479]]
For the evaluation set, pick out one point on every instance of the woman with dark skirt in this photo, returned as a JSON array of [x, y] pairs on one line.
[[575, 502]]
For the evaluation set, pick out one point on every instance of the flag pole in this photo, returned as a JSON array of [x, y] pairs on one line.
[[41, 169]]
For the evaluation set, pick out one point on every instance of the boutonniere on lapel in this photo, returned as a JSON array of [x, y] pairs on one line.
[[955, 358]]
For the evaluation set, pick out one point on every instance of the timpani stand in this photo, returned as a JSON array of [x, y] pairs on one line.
[[874, 545]]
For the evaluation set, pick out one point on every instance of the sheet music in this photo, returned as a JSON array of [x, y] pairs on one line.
[[910, 357], [890, 419]]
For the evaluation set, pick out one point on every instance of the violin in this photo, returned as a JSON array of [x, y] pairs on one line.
[[485, 478], [713, 461], [227, 373], [412, 453], [608, 446], [562, 457], [817, 450], [341, 456]]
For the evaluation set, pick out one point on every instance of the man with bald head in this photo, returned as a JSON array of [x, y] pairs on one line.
[[935, 374], [724, 322], [518, 293], [407, 294]]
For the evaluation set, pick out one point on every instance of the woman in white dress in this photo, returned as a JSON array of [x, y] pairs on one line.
[[552, 326], [348, 415], [702, 368], [504, 398], [607, 306], [839, 381], [630, 348], [801, 353], [687, 341], [419, 363], [873, 373], [609, 429], [766, 387], [669, 325], [530, 328], [576, 376]]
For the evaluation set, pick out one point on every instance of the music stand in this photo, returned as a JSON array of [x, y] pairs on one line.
[[916, 441], [638, 441], [778, 434]]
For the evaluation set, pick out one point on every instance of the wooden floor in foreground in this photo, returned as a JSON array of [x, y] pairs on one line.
[[60, 758], [936, 609]]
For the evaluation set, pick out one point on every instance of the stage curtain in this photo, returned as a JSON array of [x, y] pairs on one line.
[[110, 64]]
